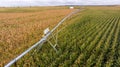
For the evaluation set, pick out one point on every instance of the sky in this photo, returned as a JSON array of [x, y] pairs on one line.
[[7, 3]]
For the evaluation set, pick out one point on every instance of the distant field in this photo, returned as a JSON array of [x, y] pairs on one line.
[[20, 28], [90, 38], [28, 9]]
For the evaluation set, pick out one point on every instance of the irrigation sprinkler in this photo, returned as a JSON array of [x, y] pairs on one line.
[[47, 33]]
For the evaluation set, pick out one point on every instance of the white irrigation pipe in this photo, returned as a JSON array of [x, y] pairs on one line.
[[39, 42]]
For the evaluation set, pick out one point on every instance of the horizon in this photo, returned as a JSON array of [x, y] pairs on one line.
[[56, 6]]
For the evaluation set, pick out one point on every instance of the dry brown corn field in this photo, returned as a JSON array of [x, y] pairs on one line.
[[20, 30]]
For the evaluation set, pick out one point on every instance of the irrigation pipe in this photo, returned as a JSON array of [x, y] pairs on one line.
[[41, 41]]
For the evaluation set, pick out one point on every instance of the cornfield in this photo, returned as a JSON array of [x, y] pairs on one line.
[[90, 38]]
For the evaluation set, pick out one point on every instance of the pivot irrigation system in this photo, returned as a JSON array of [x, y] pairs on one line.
[[47, 33]]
